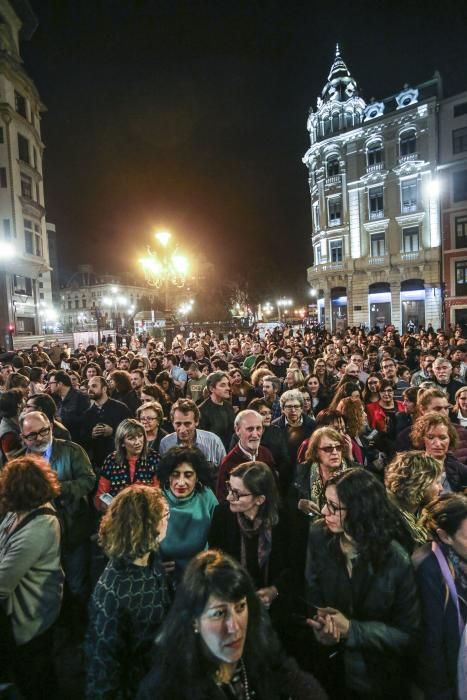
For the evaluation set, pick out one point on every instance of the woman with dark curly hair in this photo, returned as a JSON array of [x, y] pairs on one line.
[[361, 590], [31, 578], [217, 642], [413, 479], [435, 433], [131, 597], [121, 390], [185, 478]]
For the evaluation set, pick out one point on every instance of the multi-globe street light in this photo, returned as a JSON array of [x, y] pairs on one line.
[[283, 303], [165, 268]]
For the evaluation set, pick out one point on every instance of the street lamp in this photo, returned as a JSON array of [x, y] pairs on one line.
[[166, 268], [283, 304], [116, 301], [268, 308], [185, 309]]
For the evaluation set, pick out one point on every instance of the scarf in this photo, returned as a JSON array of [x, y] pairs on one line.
[[248, 530], [459, 571]]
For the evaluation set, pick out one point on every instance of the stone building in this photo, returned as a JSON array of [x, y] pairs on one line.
[[24, 258], [453, 195], [374, 205]]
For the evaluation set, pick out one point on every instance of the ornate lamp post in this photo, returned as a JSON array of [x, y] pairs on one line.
[[166, 268]]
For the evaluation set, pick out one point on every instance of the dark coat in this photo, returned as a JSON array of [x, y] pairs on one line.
[[225, 535], [382, 606], [440, 638]]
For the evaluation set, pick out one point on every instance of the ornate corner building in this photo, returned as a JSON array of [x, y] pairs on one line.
[[25, 281], [375, 204]]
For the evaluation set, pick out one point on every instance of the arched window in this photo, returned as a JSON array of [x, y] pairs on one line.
[[375, 153], [332, 166], [335, 121], [407, 142]]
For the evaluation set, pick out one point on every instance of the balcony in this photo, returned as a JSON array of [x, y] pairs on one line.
[[374, 215], [408, 158], [375, 167], [336, 221], [410, 257], [372, 261], [409, 207], [333, 180]]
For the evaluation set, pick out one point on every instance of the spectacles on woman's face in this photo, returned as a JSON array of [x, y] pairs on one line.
[[329, 449], [234, 494], [148, 419]]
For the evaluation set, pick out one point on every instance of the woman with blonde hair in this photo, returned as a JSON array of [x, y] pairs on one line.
[[294, 379], [131, 597], [413, 479]]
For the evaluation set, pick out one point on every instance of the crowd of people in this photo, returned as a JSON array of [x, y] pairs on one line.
[[237, 516]]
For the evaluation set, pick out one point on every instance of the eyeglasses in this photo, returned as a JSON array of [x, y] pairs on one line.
[[386, 391], [148, 419], [292, 407], [40, 433], [333, 508], [234, 494], [329, 449]]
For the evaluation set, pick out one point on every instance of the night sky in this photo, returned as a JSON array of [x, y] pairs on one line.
[[192, 116]]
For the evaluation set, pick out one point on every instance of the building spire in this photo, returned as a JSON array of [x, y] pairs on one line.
[[340, 85]]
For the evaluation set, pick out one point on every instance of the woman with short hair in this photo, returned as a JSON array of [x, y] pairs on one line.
[[31, 577], [131, 597], [151, 415]]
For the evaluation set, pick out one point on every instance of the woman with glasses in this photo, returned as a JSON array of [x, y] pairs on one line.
[[151, 415], [325, 456], [459, 411], [371, 391], [382, 414], [363, 604], [247, 526], [185, 478], [131, 597]]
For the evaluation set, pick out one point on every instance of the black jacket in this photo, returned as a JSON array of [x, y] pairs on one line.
[[71, 410], [224, 534], [382, 606]]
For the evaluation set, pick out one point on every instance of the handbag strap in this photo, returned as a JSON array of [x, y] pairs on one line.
[[449, 579], [30, 516]]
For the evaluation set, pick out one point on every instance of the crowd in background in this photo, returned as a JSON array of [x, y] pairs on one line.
[[237, 516]]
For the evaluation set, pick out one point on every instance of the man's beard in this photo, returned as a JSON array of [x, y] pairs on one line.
[[40, 449]]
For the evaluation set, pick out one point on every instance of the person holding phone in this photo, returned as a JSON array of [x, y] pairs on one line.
[[363, 604]]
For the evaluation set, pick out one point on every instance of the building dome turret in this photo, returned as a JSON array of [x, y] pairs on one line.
[[340, 85]]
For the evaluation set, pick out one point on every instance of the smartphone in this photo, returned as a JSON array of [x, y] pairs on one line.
[[106, 498]]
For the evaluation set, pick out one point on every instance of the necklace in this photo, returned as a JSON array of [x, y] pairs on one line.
[[246, 687]]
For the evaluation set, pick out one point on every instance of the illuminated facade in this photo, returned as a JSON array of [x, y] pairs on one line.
[[453, 194], [25, 289], [374, 205]]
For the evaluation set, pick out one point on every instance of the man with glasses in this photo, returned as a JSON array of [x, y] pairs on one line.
[[249, 430], [389, 372], [77, 479], [100, 421], [296, 426]]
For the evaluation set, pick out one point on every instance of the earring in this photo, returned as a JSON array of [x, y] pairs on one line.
[[195, 628]]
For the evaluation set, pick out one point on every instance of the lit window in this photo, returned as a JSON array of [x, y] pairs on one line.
[[334, 210], [410, 239], [376, 203], [408, 196], [335, 251], [378, 245]]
